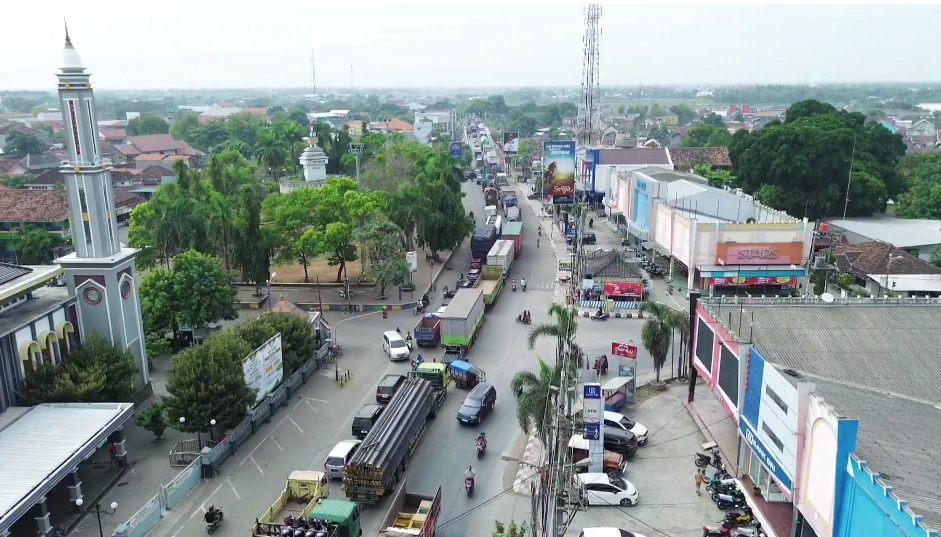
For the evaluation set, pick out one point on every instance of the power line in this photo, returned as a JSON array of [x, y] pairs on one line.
[[481, 505]]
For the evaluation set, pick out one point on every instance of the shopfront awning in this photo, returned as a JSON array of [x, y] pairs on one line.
[[655, 247]]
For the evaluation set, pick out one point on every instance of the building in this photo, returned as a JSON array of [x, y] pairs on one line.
[[879, 268], [48, 209], [392, 125], [314, 162], [919, 237], [151, 144], [597, 169], [834, 441], [718, 240], [142, 162], [12, 166]]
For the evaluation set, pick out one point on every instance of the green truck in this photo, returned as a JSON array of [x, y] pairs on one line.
[[437, 375], [491, 283], [342, 517], [461, 321]]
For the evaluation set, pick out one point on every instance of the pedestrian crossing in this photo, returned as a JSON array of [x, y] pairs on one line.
[[536, 285]]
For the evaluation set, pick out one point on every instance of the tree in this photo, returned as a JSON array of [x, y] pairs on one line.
[[714, 119], [533, 393], [512, 530], [717, 178], [271, 152], [185, 126], [94, 372], [299, 342], [244, 127], [252, 252], [923, 175], [207, 383], [15, 182], [442, 223], [657, 332], [34, 245], [170, 223], [145, 125], [386, 264], [707, 136], [685, 113], [20, 144], [563, 330], [194, 293], [153, 419]]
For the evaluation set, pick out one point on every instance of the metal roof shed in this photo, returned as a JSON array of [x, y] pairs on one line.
[[43, 445]]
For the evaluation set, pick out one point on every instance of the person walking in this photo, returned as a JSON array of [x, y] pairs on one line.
[[700, 478]]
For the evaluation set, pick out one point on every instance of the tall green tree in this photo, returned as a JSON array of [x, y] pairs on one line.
[[185, 126], [534, 397], [252, 251], [299, 342], [563, 331], [21, 144], [386, 263], [442, 223], [922, 172], [34, 245], [144, 125], [658, 331], [271, 152], [170, 223], [207, 383]]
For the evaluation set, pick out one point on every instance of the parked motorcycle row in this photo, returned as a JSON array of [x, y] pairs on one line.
[[304, 527], [725, 492]]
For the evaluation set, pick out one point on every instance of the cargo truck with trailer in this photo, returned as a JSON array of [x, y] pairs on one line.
[[428, 330], [513, 231], [482, 241], [381, 460], [461, 322]]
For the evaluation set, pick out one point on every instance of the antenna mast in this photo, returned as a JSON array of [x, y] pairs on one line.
[[313, 72], [588, 110]]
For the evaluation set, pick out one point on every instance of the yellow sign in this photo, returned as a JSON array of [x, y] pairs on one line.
[[565, 266]]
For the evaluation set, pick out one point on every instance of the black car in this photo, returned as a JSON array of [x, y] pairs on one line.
[[589, 238], [365, 419], [478, 403], [387, 388], [618, 441]]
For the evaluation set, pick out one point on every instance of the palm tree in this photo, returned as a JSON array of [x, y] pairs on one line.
[[563, 330], [271, 152], [534, 396], [657, 332], [291, 133]]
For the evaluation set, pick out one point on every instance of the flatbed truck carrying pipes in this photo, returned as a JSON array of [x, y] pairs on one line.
[[300, 496], [412, 514], [381, 460]]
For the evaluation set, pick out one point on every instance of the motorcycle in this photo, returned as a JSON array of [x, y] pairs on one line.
[[523, 285], [743, 518], [524, 320], [469, 486], [757, 531], [737, 503], [216, 520], [481, 448], [710, 458], [602, 317], [514, 287], [721, 531], [419, 309]]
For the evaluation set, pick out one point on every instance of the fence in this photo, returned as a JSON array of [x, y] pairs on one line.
[[174, 492]]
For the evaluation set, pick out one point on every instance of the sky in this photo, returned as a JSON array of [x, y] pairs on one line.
[[242, 43]]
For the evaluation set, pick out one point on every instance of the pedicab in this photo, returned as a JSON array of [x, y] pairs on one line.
[[464, 375]]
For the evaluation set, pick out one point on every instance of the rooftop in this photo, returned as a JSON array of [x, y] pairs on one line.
[[901, 232], [689, 157], [156, 143], [49, 438], [633, 156], [889, 345], [902, 451], [877, 257], [34, 206], [712, 205], [45, 300]]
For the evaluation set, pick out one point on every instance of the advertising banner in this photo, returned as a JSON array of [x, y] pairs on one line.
[[558, 171], [624, 350], [752, 280], [777, 253], [264, 368], [511, 143], [457, 149], [624, 288], [593, 412], [411, 258]]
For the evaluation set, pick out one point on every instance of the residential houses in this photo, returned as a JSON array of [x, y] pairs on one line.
[[152, 144], [46, 208], [392, 125], [880, 268]]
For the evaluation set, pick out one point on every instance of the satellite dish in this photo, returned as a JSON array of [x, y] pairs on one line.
[[827, 297]]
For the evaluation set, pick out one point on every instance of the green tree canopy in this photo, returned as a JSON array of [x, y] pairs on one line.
[[299, 341], [144, 125], [20, 144], [34, 245], [923, 176], [385, 255]]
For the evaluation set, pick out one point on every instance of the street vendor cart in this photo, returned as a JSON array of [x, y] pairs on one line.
[[616, 393], [465, 375]]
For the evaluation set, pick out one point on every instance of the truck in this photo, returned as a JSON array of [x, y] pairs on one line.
[[502, 255], [513, 214], [513, 231], [490, 196], [495, 221], [482, 241], [461, 322], [382, 458], [491, 284], [437, 375], [412, 514], [301, 494], [490, 210], [428, 331], [342, 517]]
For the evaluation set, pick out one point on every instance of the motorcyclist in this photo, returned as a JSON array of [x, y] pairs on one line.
[[537, 241], [482, 439], [600, 313], [526, 316], [424, 300], [408, 340], [514, 284], [540, 231], [523, 283], [419, 361], [212, 515], [469, 474]]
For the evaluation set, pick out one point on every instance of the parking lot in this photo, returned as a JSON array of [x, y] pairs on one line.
[[662, 470]]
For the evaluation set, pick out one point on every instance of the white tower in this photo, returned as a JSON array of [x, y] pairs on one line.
[[314, 161], [101, 273]]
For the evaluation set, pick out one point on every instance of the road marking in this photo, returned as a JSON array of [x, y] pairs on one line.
[[296, 425], [298, 404], [312, 408], [277, 444], [259, 469], [231, 486]]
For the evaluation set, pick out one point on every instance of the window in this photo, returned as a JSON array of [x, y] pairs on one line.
[[773, 437], [83, 200], [87, 227], [776, 398]]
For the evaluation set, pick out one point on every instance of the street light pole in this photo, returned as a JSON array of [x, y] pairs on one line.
[[268, 283], [114, 507], [357, 151]]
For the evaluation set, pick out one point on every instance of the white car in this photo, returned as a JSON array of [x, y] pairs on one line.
[[620, 421], [395, 346], [607, 532], [602, 489]]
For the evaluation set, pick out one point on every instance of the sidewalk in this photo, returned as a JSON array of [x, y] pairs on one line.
[[715, 424]]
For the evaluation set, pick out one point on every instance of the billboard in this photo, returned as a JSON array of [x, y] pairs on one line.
[[457, 149], [264, 368], [624, 288], [592, 414], [511, 143], [558, 171]]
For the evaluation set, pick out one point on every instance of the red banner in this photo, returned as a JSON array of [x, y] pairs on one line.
[[624, 289], [624, 350], [752, 280]]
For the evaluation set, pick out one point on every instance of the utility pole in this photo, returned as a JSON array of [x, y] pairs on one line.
[[357, 151]]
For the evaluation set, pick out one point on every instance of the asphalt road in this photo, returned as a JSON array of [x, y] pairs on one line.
[[300, 436]]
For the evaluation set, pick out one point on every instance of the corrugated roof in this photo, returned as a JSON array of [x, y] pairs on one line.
[[633, 156], [898, 438], [34, 447], [901, 232]]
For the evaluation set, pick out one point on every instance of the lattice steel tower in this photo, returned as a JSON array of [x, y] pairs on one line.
[[589, 116]]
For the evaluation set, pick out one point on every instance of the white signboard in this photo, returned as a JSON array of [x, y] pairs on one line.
[[264, 368], [412, 259]]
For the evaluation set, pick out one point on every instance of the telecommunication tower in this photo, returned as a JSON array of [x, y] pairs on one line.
[[313, 72], [589, 116]]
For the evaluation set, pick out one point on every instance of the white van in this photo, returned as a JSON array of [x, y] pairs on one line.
[[339, 457], [395, 346]]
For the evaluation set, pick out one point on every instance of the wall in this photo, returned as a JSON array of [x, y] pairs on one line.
[[716, 357], [672, 231], [825, 446], [707, 235], [770, 406], [869, 507]]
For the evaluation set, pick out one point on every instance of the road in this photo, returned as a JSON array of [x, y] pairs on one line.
[[301, 435]]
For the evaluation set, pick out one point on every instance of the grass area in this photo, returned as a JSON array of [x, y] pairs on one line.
[[294, 273]]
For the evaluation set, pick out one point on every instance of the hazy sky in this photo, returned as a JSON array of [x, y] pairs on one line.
[[240, 43]]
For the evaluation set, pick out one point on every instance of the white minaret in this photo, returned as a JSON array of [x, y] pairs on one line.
[[101, 272], [314, 161]]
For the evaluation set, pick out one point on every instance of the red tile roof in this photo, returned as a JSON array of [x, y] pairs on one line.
[[34, 206], [114, 135], [49, 177], [127, 150], [395, 124], [157, 143], [123, 198], [633, 156], [874, 257], [4, 187], [7, 165]]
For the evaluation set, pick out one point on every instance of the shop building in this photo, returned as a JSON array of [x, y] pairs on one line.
[[834, 440], [600, 168]]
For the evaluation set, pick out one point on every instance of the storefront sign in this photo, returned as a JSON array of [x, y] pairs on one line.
[[752, 280], [565, 266], [760, 451], [593, 408], [623, 349], [624, 288], [778, 253], [642, 186]]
